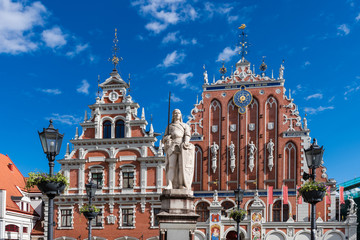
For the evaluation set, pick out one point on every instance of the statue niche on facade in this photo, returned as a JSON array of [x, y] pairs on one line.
[[180, 153]]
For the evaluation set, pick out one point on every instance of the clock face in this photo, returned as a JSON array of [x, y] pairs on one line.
[[241, 99]]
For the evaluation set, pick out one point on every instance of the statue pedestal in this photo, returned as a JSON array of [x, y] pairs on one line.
[[177, 218]]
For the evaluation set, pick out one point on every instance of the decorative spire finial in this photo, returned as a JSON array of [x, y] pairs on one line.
[[263, 66], [129, 81], [115, 60], [98, 91], [223, 69], [243, 42]]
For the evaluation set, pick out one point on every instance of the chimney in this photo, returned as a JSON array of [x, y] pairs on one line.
[[11, 166]]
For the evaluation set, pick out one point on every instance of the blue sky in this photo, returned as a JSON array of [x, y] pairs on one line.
[[51, 53]]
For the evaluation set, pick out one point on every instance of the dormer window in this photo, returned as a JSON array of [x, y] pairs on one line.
[[107, 129], [119, 129]]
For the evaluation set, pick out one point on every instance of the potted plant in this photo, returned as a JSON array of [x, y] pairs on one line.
[[312, 192], [53, 185], [238, 215], [89, 211]]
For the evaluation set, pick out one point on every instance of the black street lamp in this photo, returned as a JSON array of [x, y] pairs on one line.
[[51, 141], [90, 192], [239, 194], [314, 156]]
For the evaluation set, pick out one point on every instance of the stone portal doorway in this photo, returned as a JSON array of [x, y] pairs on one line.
[[232, 235]]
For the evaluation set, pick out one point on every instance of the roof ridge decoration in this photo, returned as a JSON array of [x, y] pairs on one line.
[[115, 60]]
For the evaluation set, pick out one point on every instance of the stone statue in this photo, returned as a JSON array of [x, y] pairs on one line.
[[232, 156], [180, 153], [206, 80], [252, 150], [214, 151], [281, 71], [270, 148], [352, 207]]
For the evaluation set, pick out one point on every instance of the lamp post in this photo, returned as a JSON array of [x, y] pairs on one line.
[[314, 155], [51, 141], [90, 192], [239, 194]]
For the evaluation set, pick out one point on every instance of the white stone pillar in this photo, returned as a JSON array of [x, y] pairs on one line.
[[111, 177], [2, 213], [81, 183]]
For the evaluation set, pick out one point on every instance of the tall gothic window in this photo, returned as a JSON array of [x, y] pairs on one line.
[[203, 211], [107, 129], [279, 208], [119, 129]]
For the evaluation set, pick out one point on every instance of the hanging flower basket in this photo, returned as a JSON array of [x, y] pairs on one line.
[[51, 186], [90, 212], [312, 192], [238, 215]]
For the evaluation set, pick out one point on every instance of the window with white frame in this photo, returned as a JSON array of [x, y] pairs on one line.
[[127, 177], [96, 173], [155, 211], [97, 221], [127, 217], [65, 217]]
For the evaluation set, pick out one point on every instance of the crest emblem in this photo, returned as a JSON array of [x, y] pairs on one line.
[[232, 127], [214, 128], [242, 99], [271, 125], [251, 126]]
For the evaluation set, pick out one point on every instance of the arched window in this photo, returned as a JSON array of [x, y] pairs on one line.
[[11, 228], [107, 129], [225, 206], [277, 209], [202, 210], [119, 129]]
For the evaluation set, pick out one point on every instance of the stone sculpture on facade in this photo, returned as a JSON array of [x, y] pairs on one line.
[[180, 153], [252, 150], [281, 72], [352, 207], [232, 156], [206, 78], [270, 148], [214, 151]]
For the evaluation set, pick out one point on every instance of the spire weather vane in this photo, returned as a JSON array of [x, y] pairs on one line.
[[98, 91], [243, 41], [115, 60]]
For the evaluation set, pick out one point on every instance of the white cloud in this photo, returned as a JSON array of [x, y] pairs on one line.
[[232, 18], [78, 49], [314, 96], [357, 17], [170, 37], [54, 37], [84, 87], [226, 54], [155, 27], [319, 109], [65, 119], [181, 79], [354, 87], [162, 13], [50, 91], [173, 37], [307, 63], [17, 23], [331, 99], [175, 99], [343, 30], [172, 59]]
